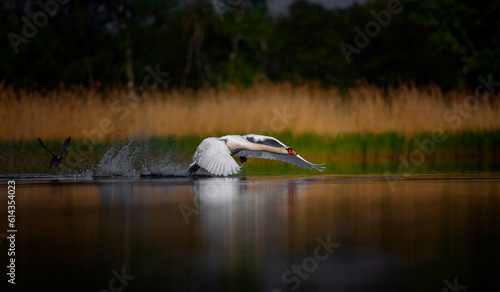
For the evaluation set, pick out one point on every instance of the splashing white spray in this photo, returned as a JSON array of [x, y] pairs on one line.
[[133, 160], [118, 162]]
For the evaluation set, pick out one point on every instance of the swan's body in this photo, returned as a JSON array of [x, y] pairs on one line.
[[56, 159], [214, 154]]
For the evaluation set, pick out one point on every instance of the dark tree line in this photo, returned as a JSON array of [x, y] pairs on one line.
[[102, 44]]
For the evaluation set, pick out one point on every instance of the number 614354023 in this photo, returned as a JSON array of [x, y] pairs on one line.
[[11, 186]]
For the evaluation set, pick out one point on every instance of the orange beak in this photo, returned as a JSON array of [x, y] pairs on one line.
[[291, 152]]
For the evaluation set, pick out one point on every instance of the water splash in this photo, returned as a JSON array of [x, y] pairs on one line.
[[118, 162], [163, 167], [134, 159]]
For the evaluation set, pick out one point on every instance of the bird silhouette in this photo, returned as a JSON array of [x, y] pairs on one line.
[[56, 159]]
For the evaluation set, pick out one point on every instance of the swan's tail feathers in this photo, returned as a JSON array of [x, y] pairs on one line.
[[193, 168]]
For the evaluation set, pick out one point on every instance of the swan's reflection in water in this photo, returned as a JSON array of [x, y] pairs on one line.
[[255, 228], [238, 221]]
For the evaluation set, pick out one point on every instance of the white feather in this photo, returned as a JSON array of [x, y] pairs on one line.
[[213, 155]]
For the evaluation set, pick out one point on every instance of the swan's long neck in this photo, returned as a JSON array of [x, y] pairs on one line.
[[262, 147]]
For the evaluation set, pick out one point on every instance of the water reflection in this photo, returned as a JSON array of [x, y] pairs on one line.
[[239, 221], [261, 225], [253, 234]]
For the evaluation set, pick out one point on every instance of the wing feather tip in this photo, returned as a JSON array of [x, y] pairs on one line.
[[319, 167]]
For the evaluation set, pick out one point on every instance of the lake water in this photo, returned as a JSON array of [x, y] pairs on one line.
[[312, 233]]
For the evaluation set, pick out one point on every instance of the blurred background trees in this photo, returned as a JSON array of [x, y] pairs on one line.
[[217, 43]]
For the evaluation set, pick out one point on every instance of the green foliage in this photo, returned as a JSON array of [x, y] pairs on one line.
[[211, 43], [467, 29]]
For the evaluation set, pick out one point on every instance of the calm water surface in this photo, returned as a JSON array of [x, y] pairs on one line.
[[429, 233]]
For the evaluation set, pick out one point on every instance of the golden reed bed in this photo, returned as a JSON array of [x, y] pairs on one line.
[[84, 113]]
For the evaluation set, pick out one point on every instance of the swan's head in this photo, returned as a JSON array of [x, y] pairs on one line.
[[290, 151]]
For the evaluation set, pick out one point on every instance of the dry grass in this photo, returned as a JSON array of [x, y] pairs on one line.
[[262, 108]]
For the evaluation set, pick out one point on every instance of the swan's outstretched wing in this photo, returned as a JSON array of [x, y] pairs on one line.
[[43, 145], [213, 155], [65, 145], [266, 140], [293, 159], [271, 141]]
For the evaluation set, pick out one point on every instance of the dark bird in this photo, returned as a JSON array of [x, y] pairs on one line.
[[56, 159]]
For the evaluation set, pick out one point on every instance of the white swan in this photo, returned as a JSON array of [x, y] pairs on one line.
[[214, 154]]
